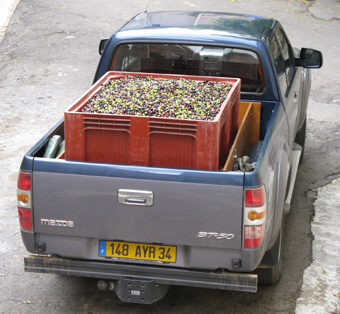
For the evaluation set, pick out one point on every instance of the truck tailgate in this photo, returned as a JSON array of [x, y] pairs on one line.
[[185, 203]]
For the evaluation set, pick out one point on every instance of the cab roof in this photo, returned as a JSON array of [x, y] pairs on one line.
[[237, 25]]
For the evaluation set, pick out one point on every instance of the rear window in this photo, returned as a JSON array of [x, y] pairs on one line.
[[192, 60]]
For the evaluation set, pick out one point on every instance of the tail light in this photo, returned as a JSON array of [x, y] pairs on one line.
[[255, 198], [25, 218], [24, 181], [254, 221], [24, 201]]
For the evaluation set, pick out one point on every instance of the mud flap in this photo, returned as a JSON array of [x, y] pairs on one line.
[[137, 290]]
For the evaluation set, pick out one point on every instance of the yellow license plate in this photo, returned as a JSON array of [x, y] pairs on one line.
[[149, 252]]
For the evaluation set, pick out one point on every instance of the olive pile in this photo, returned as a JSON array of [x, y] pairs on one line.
[[159, 97]]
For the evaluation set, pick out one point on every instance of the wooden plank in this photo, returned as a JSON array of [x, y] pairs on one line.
[[243, 137], [255, 123], [243, 109], [61, 155], [248, 133]]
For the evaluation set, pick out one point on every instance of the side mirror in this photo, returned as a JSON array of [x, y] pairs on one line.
[[310, 58], [102, 45]]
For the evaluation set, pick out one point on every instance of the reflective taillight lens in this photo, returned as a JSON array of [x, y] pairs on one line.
[[254, 215], [255, 198], [253, 235], [254, 218], [23, 198], [24, 194], [24, 181], [25, 218]]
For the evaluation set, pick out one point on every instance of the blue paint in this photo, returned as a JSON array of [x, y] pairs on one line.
[[61, 166], [102, 248]]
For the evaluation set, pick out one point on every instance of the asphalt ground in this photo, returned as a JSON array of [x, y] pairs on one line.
[[320, 289], [47, 60], [7, 8]]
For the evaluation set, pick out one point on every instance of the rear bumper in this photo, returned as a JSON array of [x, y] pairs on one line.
[[161, 275]]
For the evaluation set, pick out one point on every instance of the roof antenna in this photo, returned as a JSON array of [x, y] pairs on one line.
[[146, 10]]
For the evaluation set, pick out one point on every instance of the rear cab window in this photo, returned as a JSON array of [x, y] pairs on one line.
[[192, 60]]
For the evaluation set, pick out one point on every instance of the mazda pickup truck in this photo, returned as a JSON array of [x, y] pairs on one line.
[[140, 228]]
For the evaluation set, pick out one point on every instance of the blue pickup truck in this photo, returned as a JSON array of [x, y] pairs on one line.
[[141, 228]]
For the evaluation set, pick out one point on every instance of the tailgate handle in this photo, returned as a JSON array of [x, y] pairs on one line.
[[131, 200], [135, 197]]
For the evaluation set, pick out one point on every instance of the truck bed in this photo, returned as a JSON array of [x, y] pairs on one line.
[[197, 213]]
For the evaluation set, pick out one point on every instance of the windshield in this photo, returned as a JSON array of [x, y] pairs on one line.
[[192, 60]]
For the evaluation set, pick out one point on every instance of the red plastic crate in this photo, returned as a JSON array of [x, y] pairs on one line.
[[152, 141]]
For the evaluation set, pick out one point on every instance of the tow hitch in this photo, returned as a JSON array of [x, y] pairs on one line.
[[135, 290]]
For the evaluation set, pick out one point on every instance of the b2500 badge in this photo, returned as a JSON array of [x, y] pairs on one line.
[[216, 235]]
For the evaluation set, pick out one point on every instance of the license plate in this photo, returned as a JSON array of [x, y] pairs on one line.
[[139, 251]]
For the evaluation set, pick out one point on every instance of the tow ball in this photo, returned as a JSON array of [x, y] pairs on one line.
[[135, 290]]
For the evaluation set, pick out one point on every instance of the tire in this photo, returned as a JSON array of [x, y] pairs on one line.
[[270, 269], [300, 138]]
